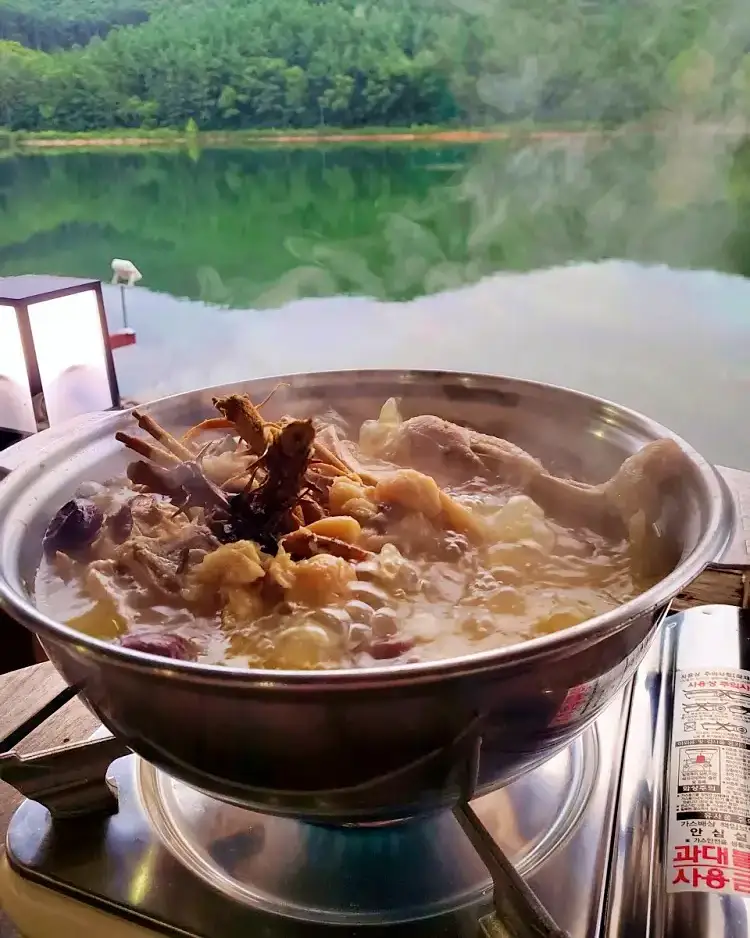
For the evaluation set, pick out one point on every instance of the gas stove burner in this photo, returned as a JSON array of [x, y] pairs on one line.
[[553, 854], [353, 825], [385, 874]]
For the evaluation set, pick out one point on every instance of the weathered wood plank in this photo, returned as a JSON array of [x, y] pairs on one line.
[[723, 586]]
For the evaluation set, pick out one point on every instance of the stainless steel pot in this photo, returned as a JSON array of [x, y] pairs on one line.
[[366, 745]]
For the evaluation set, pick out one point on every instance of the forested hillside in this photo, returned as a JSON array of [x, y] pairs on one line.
[[59, 24], [77, 65]]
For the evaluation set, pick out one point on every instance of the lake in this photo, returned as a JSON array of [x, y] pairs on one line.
[[616, 266]]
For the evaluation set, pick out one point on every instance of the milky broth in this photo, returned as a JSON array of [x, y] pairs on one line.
[[419, 598]]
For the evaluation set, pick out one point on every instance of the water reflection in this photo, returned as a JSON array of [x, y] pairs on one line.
[[259, 228], [670, 343], [246, 235]]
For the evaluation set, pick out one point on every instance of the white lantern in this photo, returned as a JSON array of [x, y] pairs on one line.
[[54, 346]]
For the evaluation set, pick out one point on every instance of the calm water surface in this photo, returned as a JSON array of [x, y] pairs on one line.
[[615, 266]]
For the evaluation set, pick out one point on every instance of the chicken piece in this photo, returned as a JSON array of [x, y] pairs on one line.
[[420, 493], [611, 508], [189, 558], [157, 575], [155, 518], [98, 580], [192, 537], [452, 453], [639, 482]]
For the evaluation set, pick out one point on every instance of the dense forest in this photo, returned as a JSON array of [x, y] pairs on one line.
[[80, 65]]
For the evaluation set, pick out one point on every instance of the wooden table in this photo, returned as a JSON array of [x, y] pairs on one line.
[[24, 692]]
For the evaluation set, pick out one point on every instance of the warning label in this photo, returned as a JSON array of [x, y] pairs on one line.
[[580, 701], [709, 792]]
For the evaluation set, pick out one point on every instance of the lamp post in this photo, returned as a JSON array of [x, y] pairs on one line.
[[126, 274], [55, 356]]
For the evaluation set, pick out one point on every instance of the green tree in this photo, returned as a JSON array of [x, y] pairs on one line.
[[299, 63]]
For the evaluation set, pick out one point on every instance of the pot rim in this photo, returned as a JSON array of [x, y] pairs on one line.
[[708, 548]]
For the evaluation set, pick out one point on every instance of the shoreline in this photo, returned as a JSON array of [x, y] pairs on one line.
[[468, 136], [174, 139]]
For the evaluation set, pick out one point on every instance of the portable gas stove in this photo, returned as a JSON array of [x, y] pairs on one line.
[[641, 827]]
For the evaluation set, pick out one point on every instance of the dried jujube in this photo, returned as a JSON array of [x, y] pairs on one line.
[[74, 528], [161, 644]]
